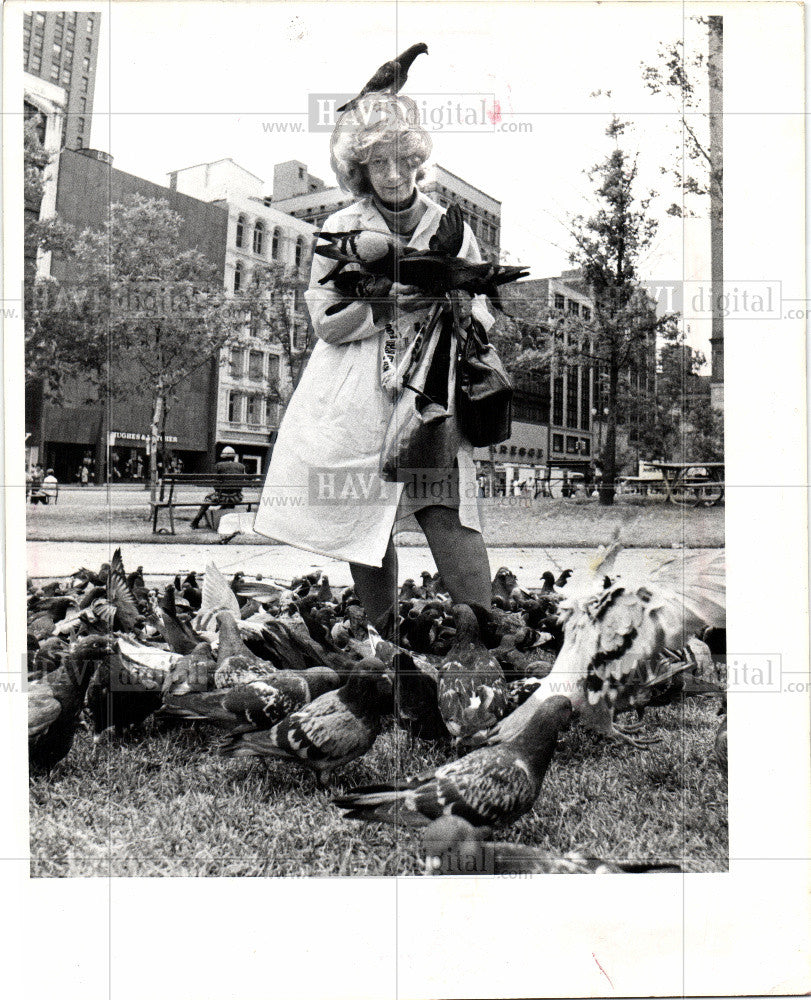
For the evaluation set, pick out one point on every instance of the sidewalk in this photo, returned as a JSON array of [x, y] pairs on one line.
[[283, 562]]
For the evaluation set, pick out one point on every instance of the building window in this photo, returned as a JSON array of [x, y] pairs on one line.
[[70, 38], [88, 44], [557, 400], [72, 17], [82, 102], [36, 63], [80, 126], [85, 65], [26, 38], [91, 23], [236, 363], [40, 19], [79, 142], [240, 238], [585, 446], [557, 442], [237, 276], [57, 51], [560, 301], [259, 237], [572, 446], [274, 244], [585, 312], [299, 251], [585, 400], [55, 72], [571, 396], [255, 365], [66, 78], [273, 368], [271, 412], [574, 308], [253, 414], [234, 401], [85, 82], [301, 173]]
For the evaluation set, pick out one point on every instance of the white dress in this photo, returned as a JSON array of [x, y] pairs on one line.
[[323, 492]]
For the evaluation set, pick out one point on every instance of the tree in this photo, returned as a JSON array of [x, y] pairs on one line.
[[688, 78], [608, 247], [157, 310]]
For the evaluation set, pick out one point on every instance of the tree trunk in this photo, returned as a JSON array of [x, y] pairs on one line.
[[608, 485], [157, 414]]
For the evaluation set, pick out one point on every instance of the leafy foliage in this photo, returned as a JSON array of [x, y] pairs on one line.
[[686, 75], [608, 246]]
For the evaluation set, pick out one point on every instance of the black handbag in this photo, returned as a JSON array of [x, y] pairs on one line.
[[484, 391]]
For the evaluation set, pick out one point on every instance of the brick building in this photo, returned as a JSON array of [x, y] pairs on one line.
[[81, 427]]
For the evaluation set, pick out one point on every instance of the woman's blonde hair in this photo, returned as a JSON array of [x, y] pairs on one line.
[[375, 119]]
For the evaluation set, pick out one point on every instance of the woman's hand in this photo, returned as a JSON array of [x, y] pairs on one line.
[[409, 298]]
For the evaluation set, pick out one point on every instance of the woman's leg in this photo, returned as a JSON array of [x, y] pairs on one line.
[[376, 587], [460, 555]]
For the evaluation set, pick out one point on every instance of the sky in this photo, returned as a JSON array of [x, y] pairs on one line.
[[190, 82]]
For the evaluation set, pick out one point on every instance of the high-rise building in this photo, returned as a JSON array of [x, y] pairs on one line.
[[298, 193], [61, 47]]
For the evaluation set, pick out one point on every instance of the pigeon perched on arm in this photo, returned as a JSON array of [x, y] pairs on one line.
[[488, 786], [454, 847], [434, 272], [389, 77]]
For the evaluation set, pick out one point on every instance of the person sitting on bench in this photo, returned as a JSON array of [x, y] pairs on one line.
[[223, 497]]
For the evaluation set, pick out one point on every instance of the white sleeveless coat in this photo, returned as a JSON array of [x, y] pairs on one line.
[[323, 492]]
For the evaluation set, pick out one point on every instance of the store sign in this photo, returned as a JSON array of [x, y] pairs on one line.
[[126, 437]]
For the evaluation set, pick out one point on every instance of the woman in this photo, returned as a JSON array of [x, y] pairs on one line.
[[323, 491]]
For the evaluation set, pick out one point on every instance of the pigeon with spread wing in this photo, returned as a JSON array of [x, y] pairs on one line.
[[617, 637]]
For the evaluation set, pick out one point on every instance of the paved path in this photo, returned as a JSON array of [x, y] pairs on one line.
[[283, 562]]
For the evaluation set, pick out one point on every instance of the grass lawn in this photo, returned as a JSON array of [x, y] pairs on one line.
[[507, 521], [163, 803]]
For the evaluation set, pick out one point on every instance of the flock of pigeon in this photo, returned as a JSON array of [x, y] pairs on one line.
[[296, 674]]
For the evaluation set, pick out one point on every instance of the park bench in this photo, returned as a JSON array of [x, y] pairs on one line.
[[43, 494], [174, 494]]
